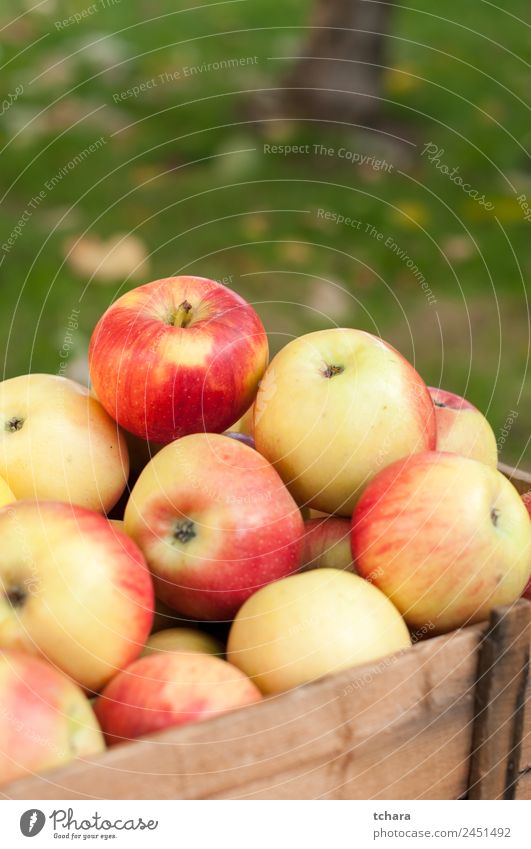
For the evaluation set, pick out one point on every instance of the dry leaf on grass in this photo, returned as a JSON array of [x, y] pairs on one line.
[[105, 261]]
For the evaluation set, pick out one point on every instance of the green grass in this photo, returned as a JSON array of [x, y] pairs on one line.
[[184, 170]]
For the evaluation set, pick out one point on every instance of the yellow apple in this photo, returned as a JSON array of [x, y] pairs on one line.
[[57, 443], [245, 424], [182, 639], [6, 496], [333, 408], [312, 624]]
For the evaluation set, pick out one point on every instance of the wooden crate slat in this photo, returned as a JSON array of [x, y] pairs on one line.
[[503, 675]]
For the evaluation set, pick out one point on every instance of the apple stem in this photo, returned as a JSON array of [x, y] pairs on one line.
[[330, 371], [14, 424], [494, 516], [16, 596], [184, 531], [182, 316]]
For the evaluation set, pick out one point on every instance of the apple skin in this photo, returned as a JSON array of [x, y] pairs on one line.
[[57, 443], [182, 639], [45, 719], [179, 355], [326, 544], [313, 624], [6, 496], [447, 538], [170, 689], [245, 423], [73, 589], [215, 523], [333, 408], [462, 429], [526, 498]]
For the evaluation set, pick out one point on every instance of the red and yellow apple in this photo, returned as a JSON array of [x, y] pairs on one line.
[[462, 429], [313, 624], [168, 689], [326, 543], [45, 719], [445, 537], [183, 639], [177, 356], [215, 523], [333, 408], [58, 443], [73, 589]]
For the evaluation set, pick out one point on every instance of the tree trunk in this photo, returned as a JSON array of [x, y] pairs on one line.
[[338, 77]]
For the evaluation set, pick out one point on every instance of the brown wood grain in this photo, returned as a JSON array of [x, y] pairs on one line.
[[523, 788], [500, 702]]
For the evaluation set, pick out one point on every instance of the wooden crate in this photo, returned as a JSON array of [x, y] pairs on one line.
[[449, 718]]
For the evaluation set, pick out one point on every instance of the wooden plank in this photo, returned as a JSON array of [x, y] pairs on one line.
[[525, 759], [523, 788], [518, 477], [405, 722], [500, 700]]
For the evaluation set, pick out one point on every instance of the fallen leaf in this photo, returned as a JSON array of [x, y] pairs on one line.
[[105, 261], [458, 248]]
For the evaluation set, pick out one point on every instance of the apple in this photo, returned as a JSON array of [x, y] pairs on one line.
[[526, 498], [6, 496], [73, 589], [245, 423], [447, 538], [215, 523], [58, 443], [326, 543], [45, 719], [333, 408], [168, 689], [182, 639], [241, 437], [313, 624], [177, 356], [462, 429]]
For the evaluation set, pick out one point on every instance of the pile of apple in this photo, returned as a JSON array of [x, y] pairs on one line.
[[350, 511]]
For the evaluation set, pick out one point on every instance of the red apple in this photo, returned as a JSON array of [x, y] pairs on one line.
[[72, 588], [326, 544], [215, 523], [177, 356], [462, 429], [446, 538], [45, 719], [170, 688]]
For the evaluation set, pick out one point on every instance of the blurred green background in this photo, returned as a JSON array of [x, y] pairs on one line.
[[177, 181]]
